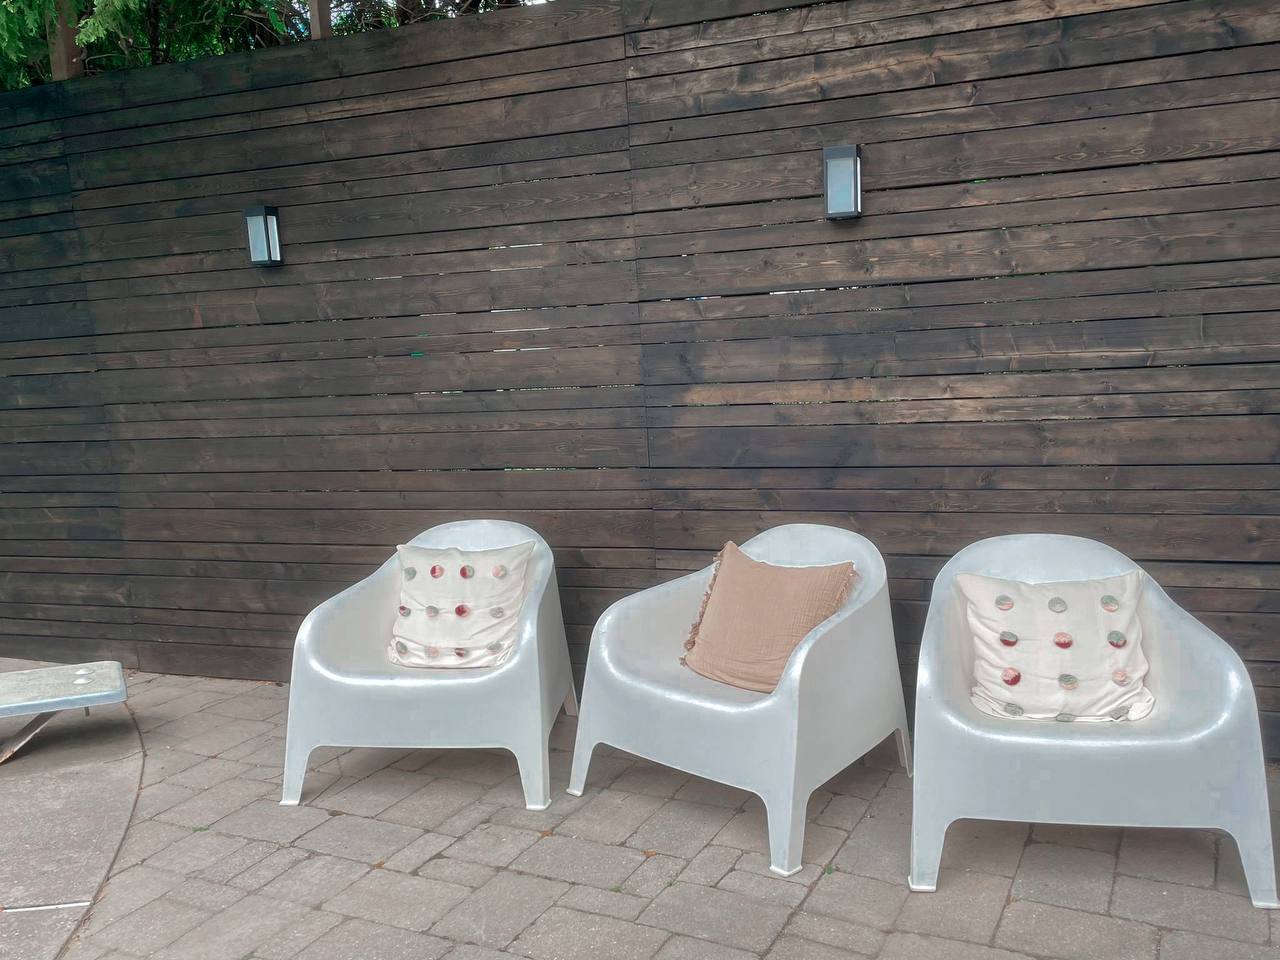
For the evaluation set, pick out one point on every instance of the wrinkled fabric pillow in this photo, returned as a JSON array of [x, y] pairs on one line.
[[754, 614], [1070, 650], [458, 608]]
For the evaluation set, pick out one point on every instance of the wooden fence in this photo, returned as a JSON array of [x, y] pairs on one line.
[[568, 264]]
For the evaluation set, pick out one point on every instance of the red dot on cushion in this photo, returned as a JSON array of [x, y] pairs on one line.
[[499, 571], [459, 652], [432, 611], [467, 572], [1063, 640], [1010, 676], [1121, 678], [404, 611], [433, 651], [462, 610], [1008, 638], [437, 571]]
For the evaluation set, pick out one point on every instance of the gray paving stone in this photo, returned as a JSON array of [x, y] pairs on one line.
[[301, 933], [496, 913], [126, 892], [759, 863], [210, 772], [36, 935], [360, 762], [151, 927], [709, 913], [650, 778], [680, 828], [493, 844], [610, 816], [561, 934], [688, 948], [1044, 930], [877, 848], [457, 871], [370, 796], [1178, 856], [248, 707], [467, 819], [209, 806], [657, 872], [419, 852], [985, 846], [142, 840], [1189, 908], [251, 853], [1102, 839], [162, 764], [749, 830], [857, 780], [234, 932], [912, 946], [856, 899], [793, 948], [225, 735], [469, 951], [488, 767], [698, 790], [268, 820], [204, 894], [358, 838], [383, 896], [196, 852], [268, 868], [1182, 945], [836, 933], [966, 906], [362, 940], [315, 880], [579, 861], [843, 812], [772, 889], [433, 804], [1065, 876], [710, 865], [159, 797], [624, 906]]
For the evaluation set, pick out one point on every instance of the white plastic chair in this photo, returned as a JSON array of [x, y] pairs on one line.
[[1195, 761], [346, 693], [840, 694]]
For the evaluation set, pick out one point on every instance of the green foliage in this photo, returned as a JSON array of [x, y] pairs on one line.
[[118, 34]]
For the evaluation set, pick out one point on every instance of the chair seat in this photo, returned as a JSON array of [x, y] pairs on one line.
[[653, 662]]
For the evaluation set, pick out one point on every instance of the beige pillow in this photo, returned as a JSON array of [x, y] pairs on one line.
[[458, 608], [1070, 650], [754, 614]]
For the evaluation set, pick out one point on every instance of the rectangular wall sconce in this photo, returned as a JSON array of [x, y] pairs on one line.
[[842, 179], [264, 236]]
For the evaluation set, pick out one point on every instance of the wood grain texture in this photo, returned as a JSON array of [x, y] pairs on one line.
[[567, 264]]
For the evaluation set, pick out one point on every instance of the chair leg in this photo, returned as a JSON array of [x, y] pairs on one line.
[[535, 775], [571, 702], [296, 754], [927, 836], [904, 748], [786, 815], [582, 751], [1257, 856]]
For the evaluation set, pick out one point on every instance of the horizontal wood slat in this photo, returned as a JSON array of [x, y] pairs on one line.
[[568, 264]]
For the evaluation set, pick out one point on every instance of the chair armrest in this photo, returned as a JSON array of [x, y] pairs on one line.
[[838, 648], [346, 621], [670, 607]]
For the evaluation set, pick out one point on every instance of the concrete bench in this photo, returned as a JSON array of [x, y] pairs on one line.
[[47, 691]]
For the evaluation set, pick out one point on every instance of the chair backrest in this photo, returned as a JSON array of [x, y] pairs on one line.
[[815, 544]]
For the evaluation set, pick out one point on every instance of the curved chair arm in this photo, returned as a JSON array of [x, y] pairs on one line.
[[364, 608], [667, 607], [833, 644]]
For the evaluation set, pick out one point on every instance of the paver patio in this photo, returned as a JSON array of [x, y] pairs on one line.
[[430, 854]]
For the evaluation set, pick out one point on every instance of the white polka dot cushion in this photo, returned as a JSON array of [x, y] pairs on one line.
[[458, 608], [1065, 651]]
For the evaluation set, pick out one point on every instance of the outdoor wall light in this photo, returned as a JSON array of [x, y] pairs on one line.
[[264, 236], [842, 179]]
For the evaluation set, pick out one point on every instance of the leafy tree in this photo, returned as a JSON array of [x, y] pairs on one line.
[[118, 34]]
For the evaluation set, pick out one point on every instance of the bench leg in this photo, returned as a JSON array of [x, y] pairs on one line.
[[15, 743]]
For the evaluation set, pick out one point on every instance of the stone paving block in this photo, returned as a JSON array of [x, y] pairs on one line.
[[151, 927], [159, 797], [604, 769], [358, 838], [610, 816], [268, 868], [433, 804], [315, 880], [1178, 856], [493, 844], [270, 744], [1182, 945], [1065, 876], [759, 863], [496, 913], [985, 846], [698, 790], [853, 937], [579, 861], [657, 872], [843, 812], [488, 767], [457, 871], [162, 764], [561, 934], [202, 893], [650, 778], [793, 948], [360, 762], [712, 914], [210, 806], [1189, 908], [195, 852], [225, 735], [415, 760], [624, 906], [1230, 871], [234, 932], [470, 951], [879, 848], [1102, 839], [417, 853], [268, 820], [362, 940], [286, 943], [857, 780], [467, 819], [210, 772], [688, 948], [1044, 930], [856, 899], [772, 889], [142, 840], [28, 935], [912, 946], [710, 865], [749, 831], [128, 891], [252, 852], [370, 796], [966, 906], [680, 828], [383, 896], [247, 707]]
